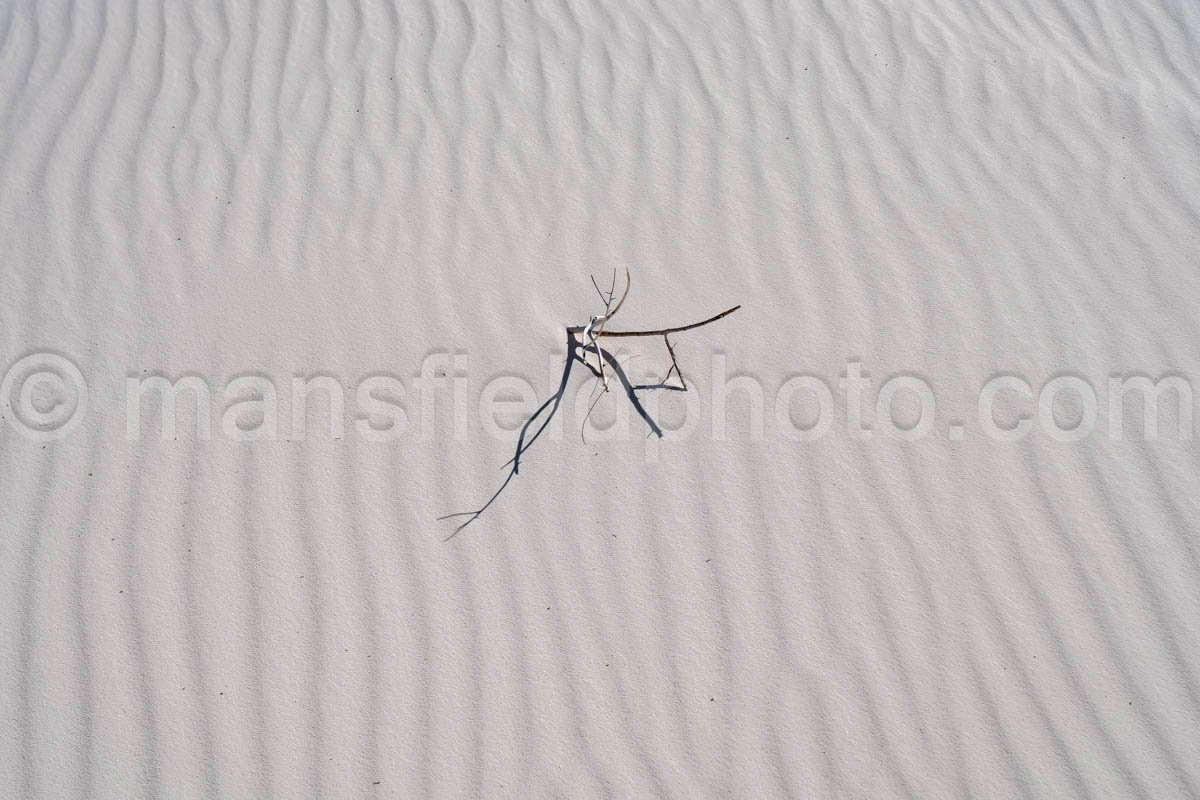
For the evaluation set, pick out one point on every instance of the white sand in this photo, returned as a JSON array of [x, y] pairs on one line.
[[953, 191]]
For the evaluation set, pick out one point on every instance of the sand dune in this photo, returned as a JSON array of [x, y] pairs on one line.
[[948, 191]]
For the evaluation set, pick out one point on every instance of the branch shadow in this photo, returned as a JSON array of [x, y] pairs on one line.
[[631, 392], [550, 408]]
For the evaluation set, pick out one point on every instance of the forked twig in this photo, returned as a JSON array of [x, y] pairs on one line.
[[595, 326], [581, 339], [661, 331]]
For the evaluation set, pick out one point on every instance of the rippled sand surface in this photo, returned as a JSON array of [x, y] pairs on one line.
[[950, 191]]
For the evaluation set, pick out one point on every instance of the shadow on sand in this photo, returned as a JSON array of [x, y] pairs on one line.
[[547, 410]]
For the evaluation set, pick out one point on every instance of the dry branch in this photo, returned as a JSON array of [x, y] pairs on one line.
[[661, 331], [577, 351]]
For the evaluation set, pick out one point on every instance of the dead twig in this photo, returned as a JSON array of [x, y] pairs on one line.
[[661, 331], [595, 327], [580, 340]]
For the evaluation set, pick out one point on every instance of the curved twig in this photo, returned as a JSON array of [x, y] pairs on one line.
[[660, 332]]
